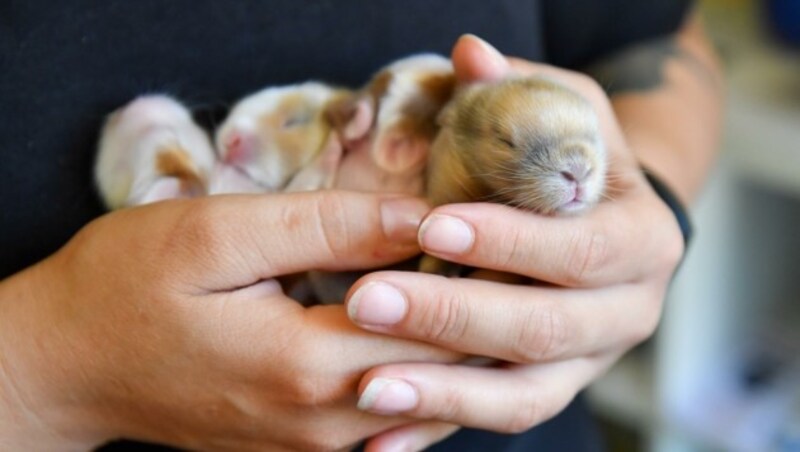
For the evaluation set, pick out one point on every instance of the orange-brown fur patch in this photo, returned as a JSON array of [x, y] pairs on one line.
[[339, 111], [176, 162], [419, 116], [439, 87], [379, 84], [300, 143]]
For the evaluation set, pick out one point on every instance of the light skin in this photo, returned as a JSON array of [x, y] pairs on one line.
[[162, 323], [608, 270]]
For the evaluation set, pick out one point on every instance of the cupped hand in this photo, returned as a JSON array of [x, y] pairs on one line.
[[164, 323], [605, 274]]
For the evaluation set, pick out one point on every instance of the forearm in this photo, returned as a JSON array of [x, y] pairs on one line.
[[667, 95]]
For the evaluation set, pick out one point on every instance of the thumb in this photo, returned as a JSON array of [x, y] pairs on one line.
[[475, 59], [235, 241]]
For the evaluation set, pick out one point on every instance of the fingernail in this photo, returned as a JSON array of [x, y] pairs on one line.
[[446, 234], [490, 49], [388, 396], [400, 218], [377, 303], [413, 443]]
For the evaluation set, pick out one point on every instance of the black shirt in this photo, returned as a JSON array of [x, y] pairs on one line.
[[64, 65]]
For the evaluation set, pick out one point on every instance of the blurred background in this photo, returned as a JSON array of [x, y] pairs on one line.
[[723, 372]]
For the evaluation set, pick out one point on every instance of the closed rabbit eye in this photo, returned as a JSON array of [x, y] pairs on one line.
[[502, 136], [296, 120], [505, 140]]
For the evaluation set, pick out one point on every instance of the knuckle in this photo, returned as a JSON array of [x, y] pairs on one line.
[[305, 390], [89, 241], [311, 439], [591, 85], [585, 81], [642, 331], [447, 408], [332, 225], [445, 320], [588, 255], [311, 391], [647, 322], [508, 257], [524, 418], [304, 382], [542, 334], [535, 409], [324, 440], [672, 252], [197, 230], [591, 88]]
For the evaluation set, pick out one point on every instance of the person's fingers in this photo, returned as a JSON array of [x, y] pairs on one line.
[[509, 399], [235, 241], [308, 361], [364, 349], [588, 251], [412, 437], [502, 321], [319, 343], [476, 60]]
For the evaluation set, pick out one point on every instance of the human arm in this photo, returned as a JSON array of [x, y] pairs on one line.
[[677, 81], [163, 323], [610, 268]]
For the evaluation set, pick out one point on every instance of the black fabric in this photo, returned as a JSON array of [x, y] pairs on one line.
[[64, 65], [67, 64], [577, 32], [571, 431]]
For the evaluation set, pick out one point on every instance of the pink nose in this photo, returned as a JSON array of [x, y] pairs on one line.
[[576, 172], [239, 148]]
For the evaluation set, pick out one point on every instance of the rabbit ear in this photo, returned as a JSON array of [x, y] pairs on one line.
[[405, 131], [401, 147], [175, 175], [395, 147], [351, 117], [320, 173], [161, 189]]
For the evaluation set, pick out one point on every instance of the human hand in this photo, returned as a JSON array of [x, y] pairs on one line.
[[608, 271], [164, 323]]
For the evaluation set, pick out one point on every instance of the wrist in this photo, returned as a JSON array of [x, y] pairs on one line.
[[41, 406], [673, 203]]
